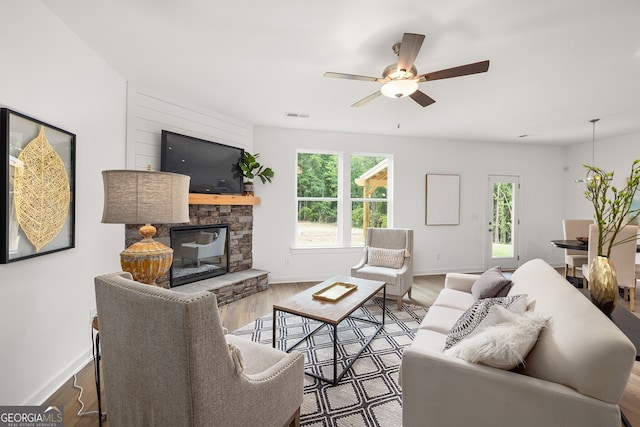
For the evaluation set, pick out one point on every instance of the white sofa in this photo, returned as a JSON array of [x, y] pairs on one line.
[[574, 375]]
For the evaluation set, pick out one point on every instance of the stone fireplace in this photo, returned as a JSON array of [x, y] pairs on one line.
[[241, 280]]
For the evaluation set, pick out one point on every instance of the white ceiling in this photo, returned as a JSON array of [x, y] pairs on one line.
[[555, 64]]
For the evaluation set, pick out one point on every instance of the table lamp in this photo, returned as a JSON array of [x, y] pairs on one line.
[[145, 197]]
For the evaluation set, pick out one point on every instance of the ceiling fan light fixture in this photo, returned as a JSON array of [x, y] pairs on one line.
[[399, 88]]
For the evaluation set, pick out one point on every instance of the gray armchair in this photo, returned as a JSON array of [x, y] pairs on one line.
[[167, 361], [388, 257]]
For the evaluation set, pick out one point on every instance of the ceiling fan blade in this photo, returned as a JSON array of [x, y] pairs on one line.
[[409, 48], [351, 77], [367, 99], [462, 70], [422, 98]]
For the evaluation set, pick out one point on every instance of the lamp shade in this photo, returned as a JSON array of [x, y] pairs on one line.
[[145, 197]]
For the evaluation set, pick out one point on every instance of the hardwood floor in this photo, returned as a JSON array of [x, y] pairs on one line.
[[239, 313]]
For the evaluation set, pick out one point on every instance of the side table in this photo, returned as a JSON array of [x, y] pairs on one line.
[[96, 363]]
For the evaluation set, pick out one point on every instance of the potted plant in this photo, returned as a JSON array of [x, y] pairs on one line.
[[612, 212], [250, 168]]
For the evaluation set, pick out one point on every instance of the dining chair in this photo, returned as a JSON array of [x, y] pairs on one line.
[[623, 258], [632, 292], [572, 229]]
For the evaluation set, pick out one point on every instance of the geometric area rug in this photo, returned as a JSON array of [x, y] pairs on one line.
[[368, 395]]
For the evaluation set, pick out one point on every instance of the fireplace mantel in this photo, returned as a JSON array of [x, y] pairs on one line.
[[222, 199]]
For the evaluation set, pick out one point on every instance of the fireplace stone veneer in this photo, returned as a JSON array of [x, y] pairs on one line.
[[239, 218]]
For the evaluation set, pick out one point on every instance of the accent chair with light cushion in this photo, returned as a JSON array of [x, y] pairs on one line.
[[388, 257], [167, 361], [543, 355]]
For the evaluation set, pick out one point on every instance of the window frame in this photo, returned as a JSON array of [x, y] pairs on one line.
[[344, 200]]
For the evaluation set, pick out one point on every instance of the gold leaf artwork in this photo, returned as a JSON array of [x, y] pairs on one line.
[[41, 192]]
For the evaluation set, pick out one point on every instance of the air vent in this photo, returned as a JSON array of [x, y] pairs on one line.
[[298, 115]]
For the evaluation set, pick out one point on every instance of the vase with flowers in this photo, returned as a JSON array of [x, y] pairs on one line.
[[613, 210]]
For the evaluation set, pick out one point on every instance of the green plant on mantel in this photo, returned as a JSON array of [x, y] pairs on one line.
[[613, 211], [250, 168]]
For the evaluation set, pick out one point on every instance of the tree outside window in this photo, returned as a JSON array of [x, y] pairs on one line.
[[502, 219], [369, 176], [320, 200], [317, 196]]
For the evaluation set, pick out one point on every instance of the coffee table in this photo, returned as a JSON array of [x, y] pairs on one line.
[[331, 313]]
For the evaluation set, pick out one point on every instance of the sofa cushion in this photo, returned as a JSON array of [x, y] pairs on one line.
[[381, 257], [441, 319], [491, 284], [427, 340], [503, 345], [454, 299], [471, 321]]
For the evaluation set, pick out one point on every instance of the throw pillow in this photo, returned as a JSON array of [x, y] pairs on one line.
[[491, 284], [204, 238], [471, 322], [381, 257], [504, 345]]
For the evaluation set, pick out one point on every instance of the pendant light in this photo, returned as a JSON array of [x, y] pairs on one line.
[[593, 152]]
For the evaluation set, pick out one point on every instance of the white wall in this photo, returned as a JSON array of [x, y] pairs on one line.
[[461, 247], [613, 155], [49, 74], [149, 113]]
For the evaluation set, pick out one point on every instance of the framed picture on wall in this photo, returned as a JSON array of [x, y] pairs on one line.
[[442, 199], [38, 165]]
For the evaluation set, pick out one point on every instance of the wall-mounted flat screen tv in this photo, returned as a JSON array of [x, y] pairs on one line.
[[213, 167]]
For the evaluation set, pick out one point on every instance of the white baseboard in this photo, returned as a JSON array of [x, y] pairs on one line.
[[56, 382]]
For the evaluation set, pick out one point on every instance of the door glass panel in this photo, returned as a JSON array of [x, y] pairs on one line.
[[502, 221]]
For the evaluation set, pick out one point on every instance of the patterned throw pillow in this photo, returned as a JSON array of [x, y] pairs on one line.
[[471, 322], [390, 258]]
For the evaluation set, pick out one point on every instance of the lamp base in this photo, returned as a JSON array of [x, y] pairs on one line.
[[148, 259]]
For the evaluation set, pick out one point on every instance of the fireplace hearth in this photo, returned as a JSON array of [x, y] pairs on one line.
[[199, 252]]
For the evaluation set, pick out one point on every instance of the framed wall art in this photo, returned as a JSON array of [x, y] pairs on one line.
[[443, 200], [38, 169]]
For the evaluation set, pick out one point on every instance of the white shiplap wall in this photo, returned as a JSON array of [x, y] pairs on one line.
[[149, 113]]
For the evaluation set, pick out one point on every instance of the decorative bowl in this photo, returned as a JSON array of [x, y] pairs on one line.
[[583, 240]]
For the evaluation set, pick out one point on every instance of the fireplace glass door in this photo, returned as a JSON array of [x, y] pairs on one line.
[[199, 252]]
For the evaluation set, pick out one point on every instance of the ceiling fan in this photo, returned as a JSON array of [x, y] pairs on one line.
[[401, 79]]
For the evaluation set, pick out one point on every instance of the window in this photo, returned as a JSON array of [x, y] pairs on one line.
[[368, 195], [332, 211]]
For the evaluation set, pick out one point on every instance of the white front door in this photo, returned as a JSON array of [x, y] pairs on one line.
[[501, 247]]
